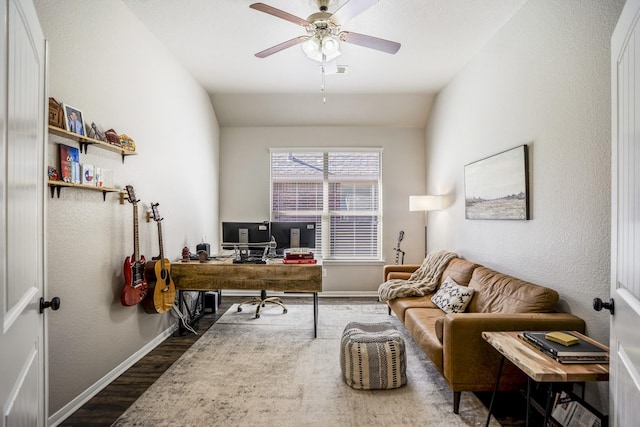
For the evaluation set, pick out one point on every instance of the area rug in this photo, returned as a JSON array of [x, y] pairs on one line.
[[271, 371]]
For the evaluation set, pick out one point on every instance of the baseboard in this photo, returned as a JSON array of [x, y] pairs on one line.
[[323, 294], [85, 396]]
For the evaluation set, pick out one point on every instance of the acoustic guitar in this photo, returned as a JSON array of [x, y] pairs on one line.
[[135, 286], [162, 291]]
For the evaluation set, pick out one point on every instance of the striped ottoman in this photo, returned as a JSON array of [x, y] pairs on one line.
[[372, 356]]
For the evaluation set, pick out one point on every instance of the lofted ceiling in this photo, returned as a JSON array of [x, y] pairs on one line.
[[215, 40]]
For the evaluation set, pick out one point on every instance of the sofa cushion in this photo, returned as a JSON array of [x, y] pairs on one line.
[[499, 293], [421, 325], [459, 270], [401, 305], [451, 297]]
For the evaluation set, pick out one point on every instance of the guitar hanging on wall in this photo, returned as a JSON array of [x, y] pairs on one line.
[[135, 286], [162, 291], [397, 248]]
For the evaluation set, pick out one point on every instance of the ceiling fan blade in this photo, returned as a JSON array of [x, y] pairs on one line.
[[279, 13], [350, 10], [277, 48], [370, 42]]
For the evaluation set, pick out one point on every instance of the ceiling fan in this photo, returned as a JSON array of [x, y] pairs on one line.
[[322, 42]]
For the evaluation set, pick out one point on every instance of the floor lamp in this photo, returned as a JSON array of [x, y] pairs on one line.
[[425, 204]]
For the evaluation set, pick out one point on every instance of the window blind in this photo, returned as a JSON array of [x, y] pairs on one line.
[[339, 190]]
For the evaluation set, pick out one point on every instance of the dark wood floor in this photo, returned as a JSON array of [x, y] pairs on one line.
[[104, 408]]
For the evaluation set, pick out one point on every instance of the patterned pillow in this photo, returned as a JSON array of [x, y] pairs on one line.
[[451, 297]]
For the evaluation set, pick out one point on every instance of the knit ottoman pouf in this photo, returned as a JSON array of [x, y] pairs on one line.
[[372, 356]]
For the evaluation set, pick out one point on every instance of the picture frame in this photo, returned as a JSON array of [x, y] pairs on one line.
[[497, 187], [73, 119]]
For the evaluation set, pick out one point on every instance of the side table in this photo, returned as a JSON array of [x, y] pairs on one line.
[[541, 368]]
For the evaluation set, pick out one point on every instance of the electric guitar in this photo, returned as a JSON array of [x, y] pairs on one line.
[[397, 248], [162, 291], [135, 286]]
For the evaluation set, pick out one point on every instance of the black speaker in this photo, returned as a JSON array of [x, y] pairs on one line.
[[210, 302], [203, 247]]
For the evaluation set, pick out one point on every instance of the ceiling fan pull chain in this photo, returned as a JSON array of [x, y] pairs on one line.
[[324, 61]]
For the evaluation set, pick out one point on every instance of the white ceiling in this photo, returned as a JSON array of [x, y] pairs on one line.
[[216, 41]]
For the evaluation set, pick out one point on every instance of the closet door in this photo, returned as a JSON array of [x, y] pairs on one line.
[[625, 219], [22, 180]]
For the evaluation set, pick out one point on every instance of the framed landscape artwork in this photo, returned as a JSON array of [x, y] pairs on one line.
[[498, 187]]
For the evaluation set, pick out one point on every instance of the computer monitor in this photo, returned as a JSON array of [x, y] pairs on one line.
[[299, 234], [248, 235]]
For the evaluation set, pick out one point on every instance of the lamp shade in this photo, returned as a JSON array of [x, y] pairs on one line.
[[312, 47], [425, 203], [330, 45]]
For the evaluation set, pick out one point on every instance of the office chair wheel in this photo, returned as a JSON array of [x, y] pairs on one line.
[[257, 315], [284, 311], [239, 309]]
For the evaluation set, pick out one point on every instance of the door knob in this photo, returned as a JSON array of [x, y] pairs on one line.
[[598, 305], [54, 304]]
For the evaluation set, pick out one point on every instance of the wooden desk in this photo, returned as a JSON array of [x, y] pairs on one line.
[[540, 367], [273, 276]]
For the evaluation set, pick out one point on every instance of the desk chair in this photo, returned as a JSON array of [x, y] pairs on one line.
[[263, 300]]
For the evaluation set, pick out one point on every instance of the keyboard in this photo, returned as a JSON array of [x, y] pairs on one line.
[[249, 261]]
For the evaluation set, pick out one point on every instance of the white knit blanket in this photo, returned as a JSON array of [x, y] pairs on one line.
[[422, 282]]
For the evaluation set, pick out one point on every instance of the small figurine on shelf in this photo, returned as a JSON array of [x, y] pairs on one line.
[[56, 116], [186, 253], [52, 173], [94, 132], [127, 142], [112, 137]]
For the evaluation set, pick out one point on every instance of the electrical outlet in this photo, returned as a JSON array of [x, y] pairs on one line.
[[324, 272]]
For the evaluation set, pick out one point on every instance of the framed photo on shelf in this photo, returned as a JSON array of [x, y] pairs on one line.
[[73, 119], [497, 187]]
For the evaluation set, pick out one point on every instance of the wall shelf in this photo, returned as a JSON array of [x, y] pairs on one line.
[[55, 187], [85, 142]]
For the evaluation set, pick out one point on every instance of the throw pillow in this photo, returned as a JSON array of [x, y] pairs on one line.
[[451, 297]]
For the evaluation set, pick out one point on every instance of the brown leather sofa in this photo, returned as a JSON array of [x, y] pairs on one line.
[[453, 341]]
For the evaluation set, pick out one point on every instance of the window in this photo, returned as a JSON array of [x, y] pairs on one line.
[[339, 190]]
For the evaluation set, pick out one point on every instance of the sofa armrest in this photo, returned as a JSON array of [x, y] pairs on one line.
[[398, 275], [470, 363], [398, 271]]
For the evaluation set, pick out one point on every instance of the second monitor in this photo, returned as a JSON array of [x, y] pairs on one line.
[[300, 234], [252, 235]]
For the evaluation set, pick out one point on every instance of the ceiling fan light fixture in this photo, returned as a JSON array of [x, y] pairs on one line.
[[320, 49], [312, 47], [330, 45]]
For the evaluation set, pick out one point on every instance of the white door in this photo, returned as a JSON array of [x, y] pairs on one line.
[[624, 384], [22, 180]]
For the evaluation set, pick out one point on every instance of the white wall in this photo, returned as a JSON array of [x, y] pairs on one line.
[[543, 80], [244, 182], [103, 61]]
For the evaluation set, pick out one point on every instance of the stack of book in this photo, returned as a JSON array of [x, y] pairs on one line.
[[566, 347], [299, 256]]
